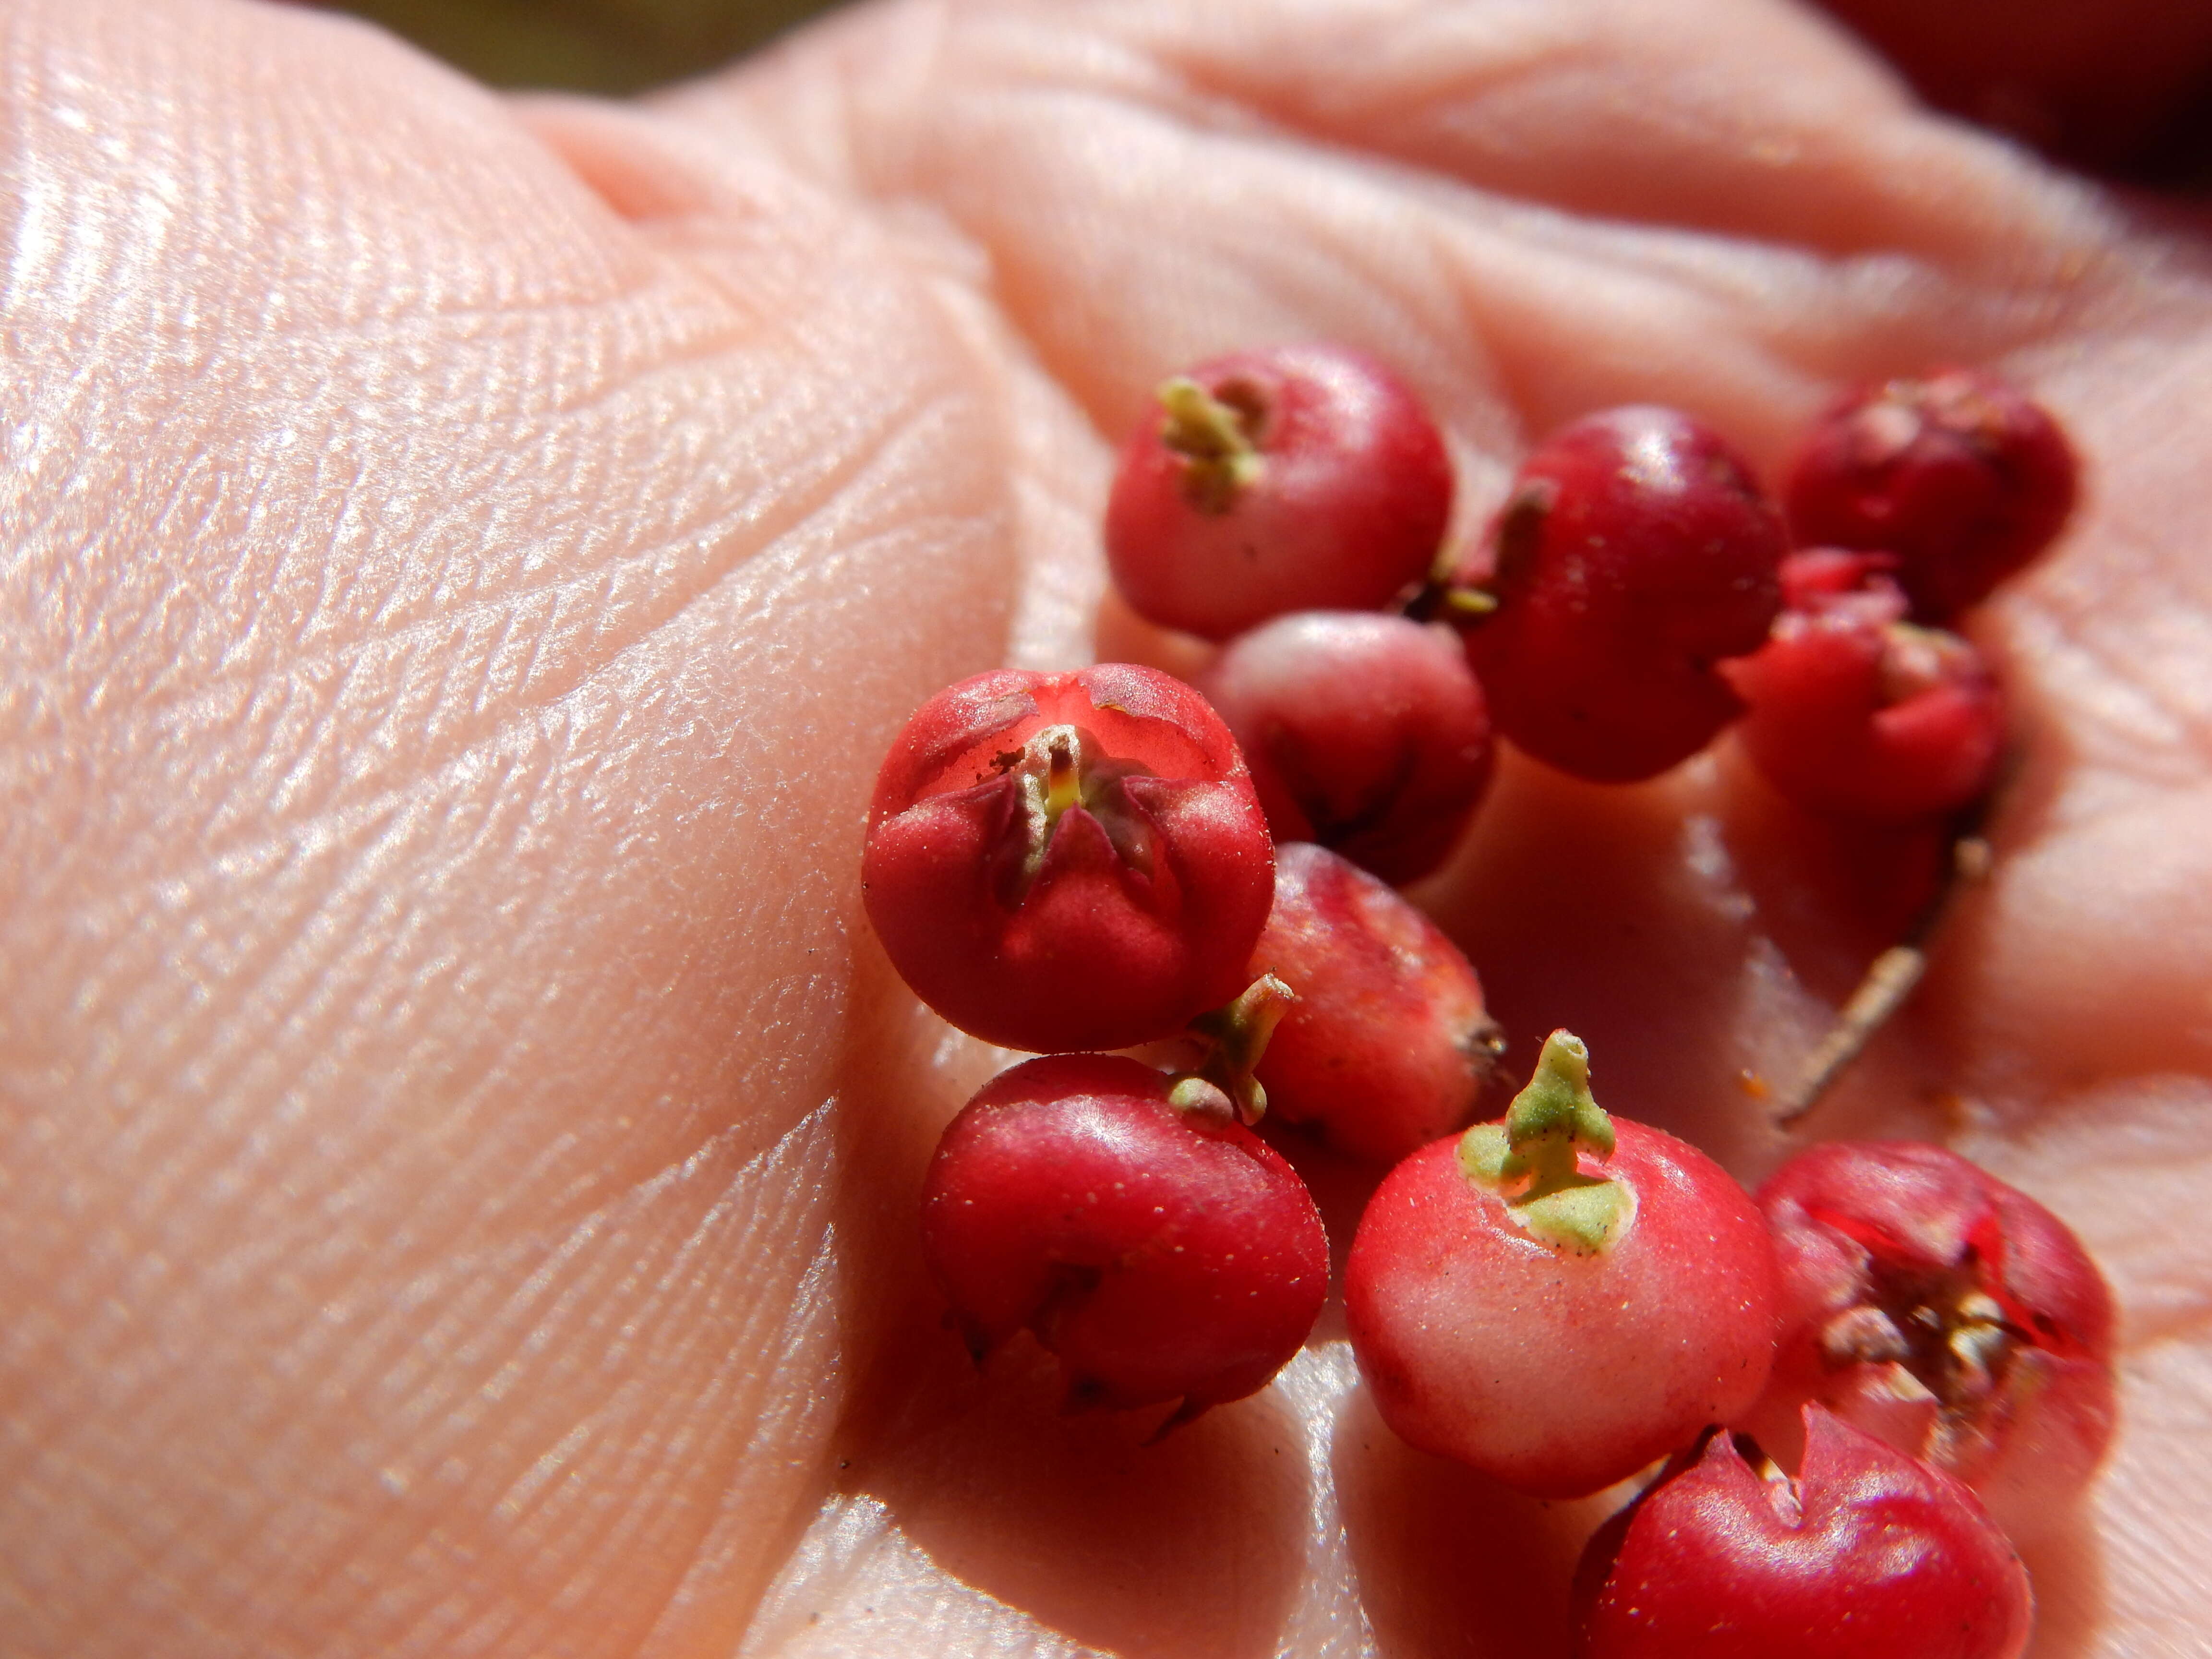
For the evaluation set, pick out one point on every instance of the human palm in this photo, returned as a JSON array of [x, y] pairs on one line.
[[463, 559]]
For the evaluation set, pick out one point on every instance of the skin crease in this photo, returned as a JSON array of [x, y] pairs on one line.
[[462, 559]]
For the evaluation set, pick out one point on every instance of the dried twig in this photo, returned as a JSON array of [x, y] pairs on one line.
[[1889, 981]]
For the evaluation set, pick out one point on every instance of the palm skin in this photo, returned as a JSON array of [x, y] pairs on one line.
[[462, 560]]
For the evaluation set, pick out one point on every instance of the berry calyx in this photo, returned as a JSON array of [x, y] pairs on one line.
[[1533, 1159], [1561, 1344], [1635, 552], [1061, 861], [1388, 1043], [1364, 731], [1161, 1254], [1855, 712], [1867, 1554], [1214, 441], [1237, 1039], [1959, 475], [1296, 477], [1933, 1305]]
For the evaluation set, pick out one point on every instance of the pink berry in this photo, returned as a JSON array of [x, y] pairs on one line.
[[1635, 552], [1959, 475], [1065, 861], [1932, 1305], [1856, 712], [1388, 1042], [1560, 1298], [1161, 1254], [1364, 731], [1866, 1555], [1298, 478]]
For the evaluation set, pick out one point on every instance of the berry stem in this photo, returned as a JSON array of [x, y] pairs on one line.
[[1537, 1151], [1219, 459], [1237, 1037]]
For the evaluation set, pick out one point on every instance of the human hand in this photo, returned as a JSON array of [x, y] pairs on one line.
[[464, 559]]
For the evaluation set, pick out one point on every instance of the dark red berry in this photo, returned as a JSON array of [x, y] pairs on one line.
[[1866, 1555], [1388, 1043], [1855, 712], [1161, 1254], [1364, 731], [1299, 477], [1934, 1305], [1559, 1299], [1061, 861], [1634, 553], [1959, 475]]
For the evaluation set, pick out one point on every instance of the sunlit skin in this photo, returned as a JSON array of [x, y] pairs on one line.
[[464, 559]]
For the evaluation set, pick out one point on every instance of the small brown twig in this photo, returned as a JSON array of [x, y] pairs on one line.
[[1890, 979]]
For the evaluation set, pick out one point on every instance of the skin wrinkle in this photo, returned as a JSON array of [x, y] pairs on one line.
[[1299, 202], [795, 511], [524, 1304], [1777, 138], [892, 169], [825, 537]]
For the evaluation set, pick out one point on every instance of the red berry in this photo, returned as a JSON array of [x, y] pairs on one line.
[[1067, 860], [1388, 1042], [1635, 551], [1932, 1305], [1866, 1555], [1813, 576], [1294, 479], [1959, 475], [1561, 1299], [1364, 731], [1857, 712], [1162, 1254]]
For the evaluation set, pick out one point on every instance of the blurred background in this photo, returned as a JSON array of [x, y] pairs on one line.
[[2121, 86], [588, 45]]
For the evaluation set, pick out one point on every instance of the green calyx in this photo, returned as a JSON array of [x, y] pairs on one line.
[[1215, 440], [1531, 1159], [1236, 1037]]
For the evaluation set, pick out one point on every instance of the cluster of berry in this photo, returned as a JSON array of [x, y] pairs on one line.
[[1079, 863]]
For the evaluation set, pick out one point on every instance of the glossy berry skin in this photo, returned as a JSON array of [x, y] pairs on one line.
[[1959, 475], [1866, 1555], [1365, 732], [1387, 1044], [1635, 552], [1061, 861], [1555, 1372], [1337, 498], [1856, 713], [1161, 1255], [1932, 1305]]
